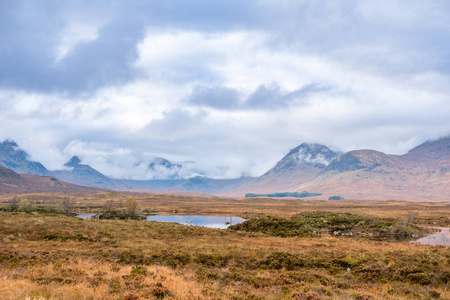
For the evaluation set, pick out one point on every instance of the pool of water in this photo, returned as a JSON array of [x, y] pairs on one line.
[[439, 238], [86, 215], [205, 221]]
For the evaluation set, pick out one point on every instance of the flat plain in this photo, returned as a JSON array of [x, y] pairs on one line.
[[48, 255]]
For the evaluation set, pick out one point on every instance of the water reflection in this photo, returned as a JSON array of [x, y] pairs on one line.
[[439, 238], [86, 215], [205, 221]]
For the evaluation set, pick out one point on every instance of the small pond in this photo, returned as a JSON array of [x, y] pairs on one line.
[[86, 215], [205, 221], [439, 238]]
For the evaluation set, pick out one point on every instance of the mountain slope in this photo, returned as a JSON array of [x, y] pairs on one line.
[[302, 164], [11, 182], [421, 174], [14, 158], [81, 174]]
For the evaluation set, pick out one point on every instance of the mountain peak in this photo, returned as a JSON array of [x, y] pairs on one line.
[[11, 149], [313, 154], [165, 169], [10, 143], [73, 162], [159, 161], [16, 159]]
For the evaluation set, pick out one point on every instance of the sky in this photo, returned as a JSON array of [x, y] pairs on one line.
[[225, 87]]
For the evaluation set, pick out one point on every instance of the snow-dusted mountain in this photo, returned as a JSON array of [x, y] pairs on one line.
[[302, 164]]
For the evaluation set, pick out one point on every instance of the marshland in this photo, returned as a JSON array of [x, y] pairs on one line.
[[287, 249]]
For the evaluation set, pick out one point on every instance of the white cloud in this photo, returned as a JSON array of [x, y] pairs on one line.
[[382, 78]]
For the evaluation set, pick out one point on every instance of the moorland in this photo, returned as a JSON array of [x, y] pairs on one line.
[[48, 253]]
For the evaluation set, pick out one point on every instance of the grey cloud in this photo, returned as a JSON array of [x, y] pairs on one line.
[[265, 97], [273, 97], [29, 33], [353, 31], [104, 61], [27, 51], [176, 123], [216, 97]]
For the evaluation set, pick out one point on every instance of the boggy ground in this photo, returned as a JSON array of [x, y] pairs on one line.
[[420, 213], [51, 256]]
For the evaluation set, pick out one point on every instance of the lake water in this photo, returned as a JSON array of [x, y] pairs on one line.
[[221, 222], [205, 221], [438, 238]]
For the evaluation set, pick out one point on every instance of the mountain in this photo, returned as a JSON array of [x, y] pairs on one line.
[[12, 182], [421, 174], [162, 169], [159, 162], [81, 174], [302, 164], [14, 158], [431, 153]]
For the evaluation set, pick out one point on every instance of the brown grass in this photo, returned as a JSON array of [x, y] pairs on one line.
[[46, 256]]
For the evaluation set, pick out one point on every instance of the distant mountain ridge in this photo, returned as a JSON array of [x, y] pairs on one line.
[[421, 174], [82, 174]]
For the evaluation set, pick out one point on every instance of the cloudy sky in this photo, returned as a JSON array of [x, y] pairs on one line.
[[230, 86]]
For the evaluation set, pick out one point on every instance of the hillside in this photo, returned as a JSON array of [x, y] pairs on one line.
[[11, 182], [421, 174]]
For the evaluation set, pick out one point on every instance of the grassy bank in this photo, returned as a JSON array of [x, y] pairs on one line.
[[48, 256]]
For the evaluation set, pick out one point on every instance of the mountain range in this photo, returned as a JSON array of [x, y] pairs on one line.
[[421, 174]]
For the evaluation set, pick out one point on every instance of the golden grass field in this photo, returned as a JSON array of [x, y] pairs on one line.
[[52, 256]]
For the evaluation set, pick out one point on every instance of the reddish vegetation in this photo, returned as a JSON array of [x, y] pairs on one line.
[[421, 174], [11, 182]]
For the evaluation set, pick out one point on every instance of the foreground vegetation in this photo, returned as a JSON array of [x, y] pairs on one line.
[[319, 223], [53, 256]]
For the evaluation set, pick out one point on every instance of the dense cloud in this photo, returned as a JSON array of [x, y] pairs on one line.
[[215, 97], [231, 86]]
